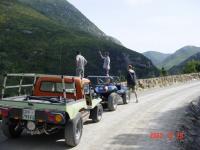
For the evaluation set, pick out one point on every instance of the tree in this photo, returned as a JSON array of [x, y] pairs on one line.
[[163, 72], [192, 67]]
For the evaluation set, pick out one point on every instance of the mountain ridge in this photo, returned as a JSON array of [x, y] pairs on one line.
[[179, 56], [30, 41], [179, 68], [155, 57], [67, 14], [170, 60]]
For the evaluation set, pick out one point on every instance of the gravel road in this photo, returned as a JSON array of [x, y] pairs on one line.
[[128, 128]]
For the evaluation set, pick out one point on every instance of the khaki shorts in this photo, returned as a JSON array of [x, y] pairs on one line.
[[79, 72], [132, 87]]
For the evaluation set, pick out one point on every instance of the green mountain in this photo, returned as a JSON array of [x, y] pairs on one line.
[[63, 13], [179, 68], [43, 36], [179, 56], [156, 57]]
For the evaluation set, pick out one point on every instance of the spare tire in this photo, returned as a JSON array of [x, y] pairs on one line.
[[113, 99], [73, 131]]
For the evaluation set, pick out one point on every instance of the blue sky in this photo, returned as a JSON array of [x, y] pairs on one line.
[[143, 25]]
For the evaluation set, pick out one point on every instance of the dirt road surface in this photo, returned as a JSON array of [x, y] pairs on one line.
[[128, 128]]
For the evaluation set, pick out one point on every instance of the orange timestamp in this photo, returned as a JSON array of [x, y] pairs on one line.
[[178, 135]]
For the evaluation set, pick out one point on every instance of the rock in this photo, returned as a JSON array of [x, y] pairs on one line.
[[167, 81], [191, 127]]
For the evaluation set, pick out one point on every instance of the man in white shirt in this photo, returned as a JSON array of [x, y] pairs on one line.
[[106, 63], [80, 64]]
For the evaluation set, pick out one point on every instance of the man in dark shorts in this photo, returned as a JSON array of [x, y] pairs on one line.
[[131, 81]]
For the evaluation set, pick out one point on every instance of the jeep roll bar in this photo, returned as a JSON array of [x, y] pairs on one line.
[[34, 76]]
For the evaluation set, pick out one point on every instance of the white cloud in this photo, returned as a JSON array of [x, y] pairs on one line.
[[138, 2]]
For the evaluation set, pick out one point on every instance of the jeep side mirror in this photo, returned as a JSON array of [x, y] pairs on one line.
[[86, 89]]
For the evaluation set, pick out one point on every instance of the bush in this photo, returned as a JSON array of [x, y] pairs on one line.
[[192, 67]]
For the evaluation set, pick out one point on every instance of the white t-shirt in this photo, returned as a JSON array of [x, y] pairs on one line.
[[106, 63], [80, 61]]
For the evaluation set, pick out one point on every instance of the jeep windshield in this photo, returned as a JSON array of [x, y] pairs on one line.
[[57, 87]]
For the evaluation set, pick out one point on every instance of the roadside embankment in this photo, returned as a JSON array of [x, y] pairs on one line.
[[166, 80], [190, 125]]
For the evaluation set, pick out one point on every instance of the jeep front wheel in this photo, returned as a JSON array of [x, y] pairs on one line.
[[73, 131], [113, 99], [11, 129], [96, 113]]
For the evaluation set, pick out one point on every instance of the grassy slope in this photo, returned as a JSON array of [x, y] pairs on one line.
[[32, 42], [179, 68], [64, 13], [179, 56]]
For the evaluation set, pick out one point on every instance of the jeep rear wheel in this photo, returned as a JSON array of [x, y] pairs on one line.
[[10, 129], [113, 99], [126, 97], [96, 113], [73, 131]]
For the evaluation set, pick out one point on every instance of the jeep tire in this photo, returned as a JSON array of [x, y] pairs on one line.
[[73, 131], [11, 130], [96, 113], [126, 97], [113, 99]]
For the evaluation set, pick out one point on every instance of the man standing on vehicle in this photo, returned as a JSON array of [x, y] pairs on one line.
[[80, 64], [106, 63], [131, 81]]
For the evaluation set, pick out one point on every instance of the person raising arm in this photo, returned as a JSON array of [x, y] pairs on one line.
[[106, 63]]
